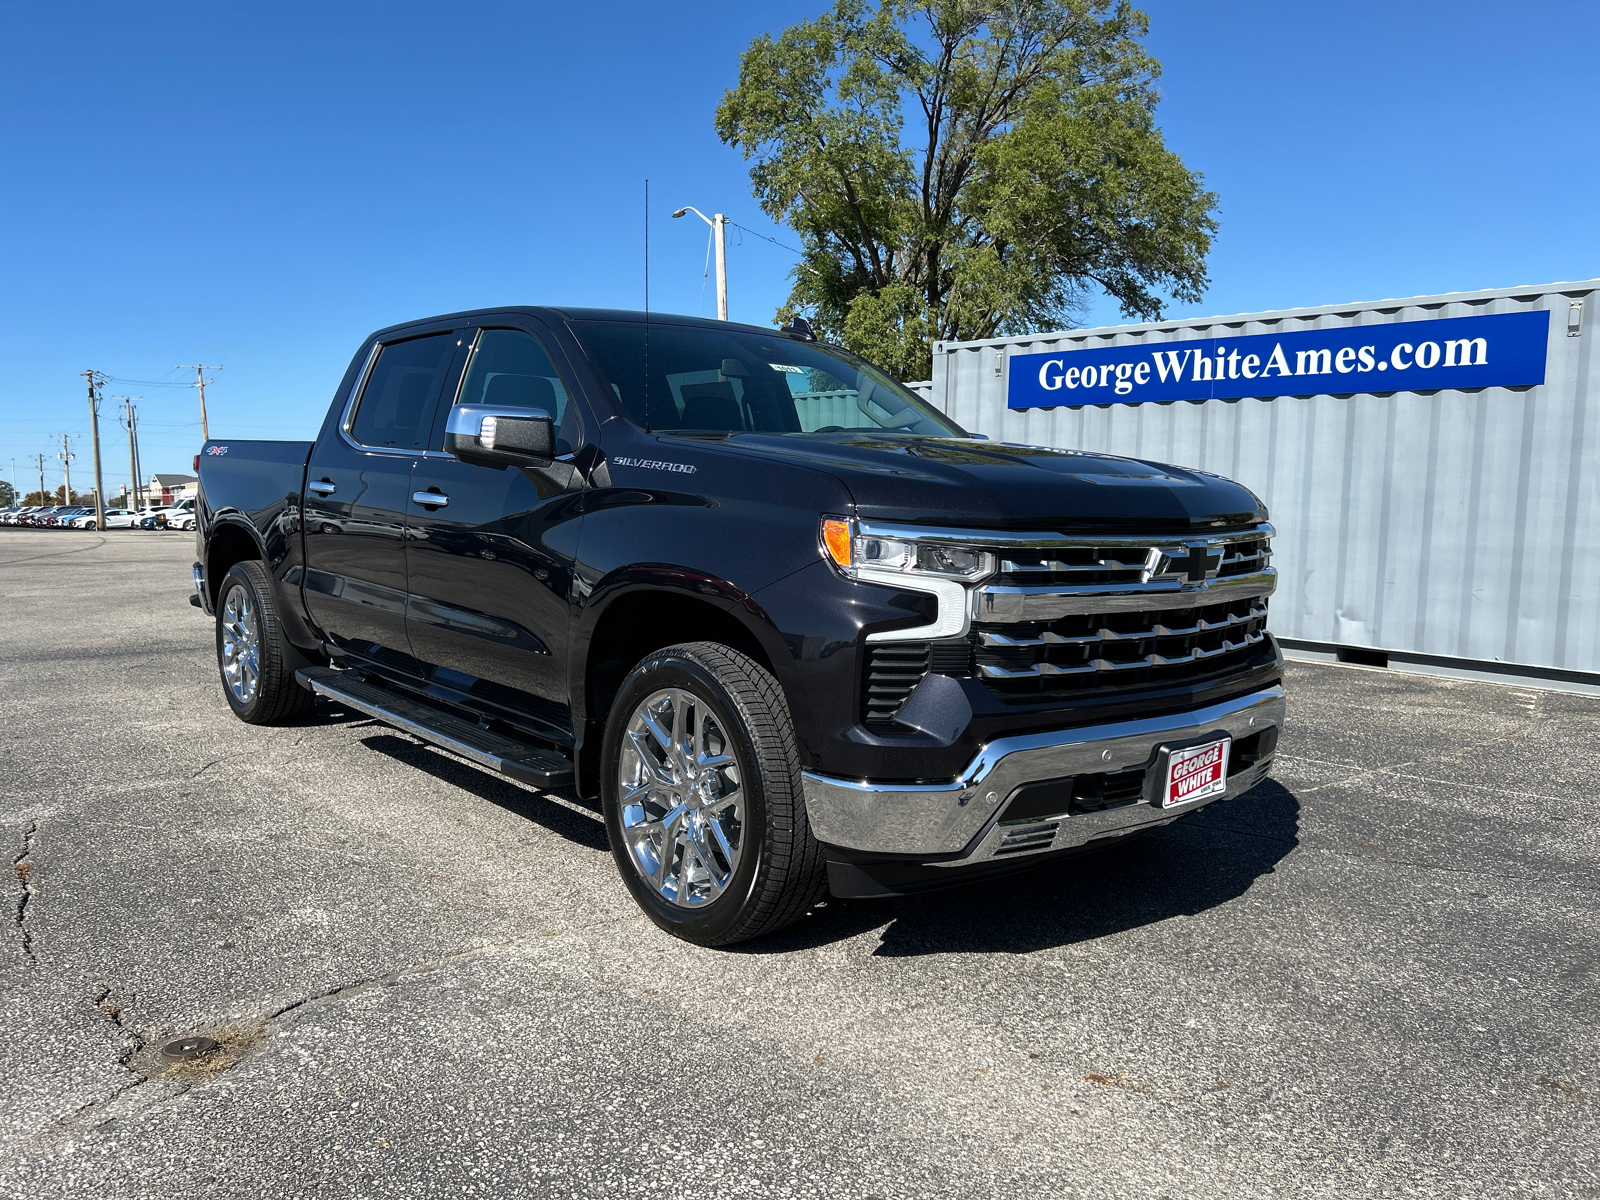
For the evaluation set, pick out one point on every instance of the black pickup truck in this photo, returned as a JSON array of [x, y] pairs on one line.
[[794, 628]]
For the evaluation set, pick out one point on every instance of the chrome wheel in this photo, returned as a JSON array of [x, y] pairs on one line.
[[241, 644], [680, 798]]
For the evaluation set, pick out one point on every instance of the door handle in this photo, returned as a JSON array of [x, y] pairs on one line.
[[430, 499], [322, 487]]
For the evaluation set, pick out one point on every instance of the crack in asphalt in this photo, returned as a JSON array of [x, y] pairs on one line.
[[22, 866], [1396, 768], [390, 978]]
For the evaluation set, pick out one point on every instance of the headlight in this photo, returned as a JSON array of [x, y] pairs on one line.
[[853, 552]]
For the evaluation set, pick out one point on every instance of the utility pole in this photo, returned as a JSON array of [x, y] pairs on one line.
[[43, 498], [95, 380], [200, 382], [719, 228], [66, 456], [130, 422]]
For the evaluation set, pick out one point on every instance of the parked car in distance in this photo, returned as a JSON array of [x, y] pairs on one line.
[[116, 518], [172, 516]]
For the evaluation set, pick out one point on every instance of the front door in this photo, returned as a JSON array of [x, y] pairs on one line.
[[357, 496], [489, 563]]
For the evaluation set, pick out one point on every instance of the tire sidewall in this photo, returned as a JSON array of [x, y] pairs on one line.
[[677, 668], [240, 576]]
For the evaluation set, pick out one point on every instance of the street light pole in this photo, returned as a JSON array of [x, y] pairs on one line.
[[719, 227]]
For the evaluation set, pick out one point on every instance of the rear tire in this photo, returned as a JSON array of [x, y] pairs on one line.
[[703, 798], [253, 657]]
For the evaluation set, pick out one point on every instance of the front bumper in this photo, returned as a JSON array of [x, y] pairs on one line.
[[963, 821]]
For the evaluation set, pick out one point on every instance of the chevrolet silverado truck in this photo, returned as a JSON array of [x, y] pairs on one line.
[[794, 629]]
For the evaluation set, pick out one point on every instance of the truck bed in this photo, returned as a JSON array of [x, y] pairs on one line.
[[253, 478]]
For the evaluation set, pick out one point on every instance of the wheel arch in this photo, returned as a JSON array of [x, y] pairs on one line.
[[230, 542], [633, 623]]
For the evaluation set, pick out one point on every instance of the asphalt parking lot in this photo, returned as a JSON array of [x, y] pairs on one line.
[[1375, 975]]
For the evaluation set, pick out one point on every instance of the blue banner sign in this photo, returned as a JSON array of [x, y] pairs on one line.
[[1501, 350]]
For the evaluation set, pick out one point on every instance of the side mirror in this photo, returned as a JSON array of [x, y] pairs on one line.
[[500, 435]]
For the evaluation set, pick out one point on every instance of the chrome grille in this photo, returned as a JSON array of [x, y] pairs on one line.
[[1093, 651], [1122, 613], [1067, 615], [1245, 558]]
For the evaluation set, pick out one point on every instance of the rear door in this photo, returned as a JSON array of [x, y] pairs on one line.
[[357, 495], [490, 559]]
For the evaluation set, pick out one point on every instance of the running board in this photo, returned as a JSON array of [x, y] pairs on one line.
[[518, 760]]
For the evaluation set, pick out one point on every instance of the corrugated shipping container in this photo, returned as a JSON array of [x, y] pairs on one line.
[[1463, 524]]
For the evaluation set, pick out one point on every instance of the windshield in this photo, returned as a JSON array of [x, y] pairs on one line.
[[707, 380]]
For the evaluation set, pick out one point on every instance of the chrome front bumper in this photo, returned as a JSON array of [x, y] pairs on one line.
[[966, 817]]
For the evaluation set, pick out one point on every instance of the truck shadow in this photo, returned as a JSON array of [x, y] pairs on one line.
[[586, 831], [1186, 868]]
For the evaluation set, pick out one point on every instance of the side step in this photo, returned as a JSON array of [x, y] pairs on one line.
[[518, 760]]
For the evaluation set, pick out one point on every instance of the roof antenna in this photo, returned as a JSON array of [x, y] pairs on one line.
[[647, 306]]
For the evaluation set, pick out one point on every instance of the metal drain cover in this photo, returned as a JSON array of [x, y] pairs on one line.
[[187, 1048]]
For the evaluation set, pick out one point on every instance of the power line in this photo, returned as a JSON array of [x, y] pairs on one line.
[[705, 273], [765, 238]]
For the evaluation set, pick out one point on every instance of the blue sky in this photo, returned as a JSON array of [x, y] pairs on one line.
[[261, 187]]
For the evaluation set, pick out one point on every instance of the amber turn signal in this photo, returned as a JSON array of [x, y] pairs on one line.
[[836, 537]]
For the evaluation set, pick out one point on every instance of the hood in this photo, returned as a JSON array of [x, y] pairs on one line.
[[969, 482]]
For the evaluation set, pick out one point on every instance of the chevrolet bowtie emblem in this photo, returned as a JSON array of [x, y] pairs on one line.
[[1204, 561]]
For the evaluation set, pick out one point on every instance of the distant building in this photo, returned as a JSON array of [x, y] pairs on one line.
[[169, 489]]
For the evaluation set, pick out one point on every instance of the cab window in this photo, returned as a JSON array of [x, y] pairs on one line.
[[396, 408], [510, 367]]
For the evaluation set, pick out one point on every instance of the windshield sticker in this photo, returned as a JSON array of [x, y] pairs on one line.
[[792, 370], [651, 464]]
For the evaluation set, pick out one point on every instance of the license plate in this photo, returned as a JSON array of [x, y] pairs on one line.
[[1196, 772]]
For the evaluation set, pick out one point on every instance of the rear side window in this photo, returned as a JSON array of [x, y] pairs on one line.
[[510, 368], [396, 409]]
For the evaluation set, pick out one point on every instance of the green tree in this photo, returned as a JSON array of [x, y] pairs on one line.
[[962, 169], [8, 494]]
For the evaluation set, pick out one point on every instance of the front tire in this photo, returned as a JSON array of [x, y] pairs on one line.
[[703, 797], [252, 655]]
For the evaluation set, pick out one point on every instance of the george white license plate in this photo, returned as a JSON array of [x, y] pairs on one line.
[[1196, 772]]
